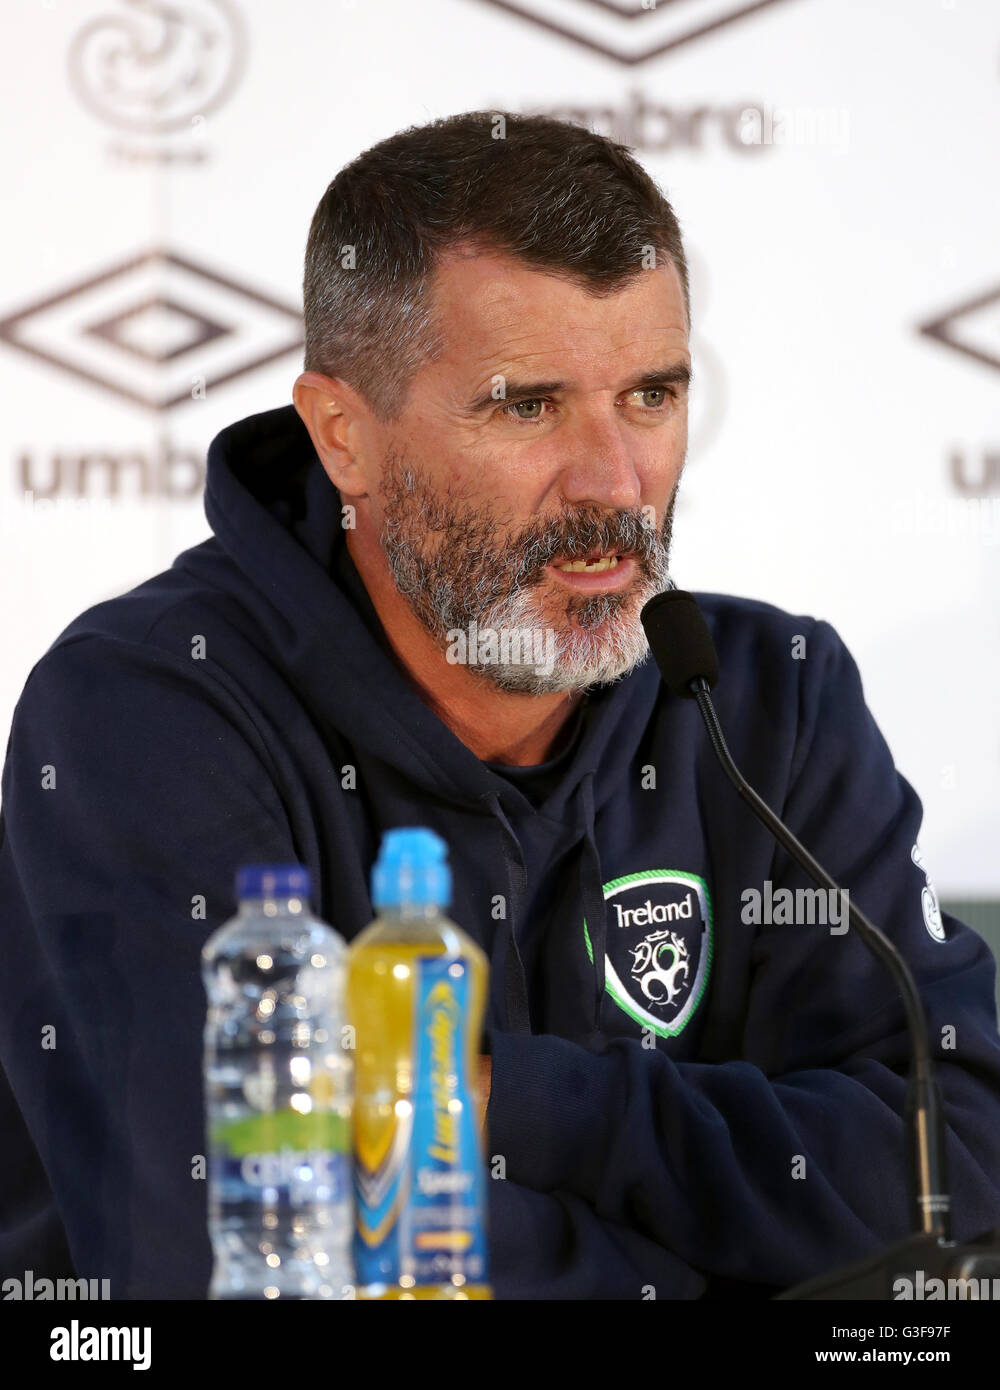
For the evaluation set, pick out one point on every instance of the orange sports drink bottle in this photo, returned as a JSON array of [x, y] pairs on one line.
[[416, 994]]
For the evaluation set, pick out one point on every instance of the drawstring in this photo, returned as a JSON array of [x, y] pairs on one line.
[[515, 980], [594, 909], [516, 1001]]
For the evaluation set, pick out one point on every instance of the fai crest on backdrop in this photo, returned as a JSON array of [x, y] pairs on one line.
[[659, 946]]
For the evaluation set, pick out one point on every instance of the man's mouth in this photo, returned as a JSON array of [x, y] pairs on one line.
[[590, 566], [596, 570]]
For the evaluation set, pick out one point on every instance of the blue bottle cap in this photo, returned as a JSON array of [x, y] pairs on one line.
[[273, 881], [411, 869]]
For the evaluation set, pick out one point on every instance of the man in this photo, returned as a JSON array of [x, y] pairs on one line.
[[421, 606]]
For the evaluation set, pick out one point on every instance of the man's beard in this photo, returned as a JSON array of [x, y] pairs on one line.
[[460, 573]]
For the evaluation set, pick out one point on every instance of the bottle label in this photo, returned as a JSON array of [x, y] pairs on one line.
[[421, 1217], [282, 1158]]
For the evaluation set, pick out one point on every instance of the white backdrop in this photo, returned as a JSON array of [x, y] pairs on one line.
[[833, 164]]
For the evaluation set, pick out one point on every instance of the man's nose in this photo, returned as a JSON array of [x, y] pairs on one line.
[[601, 469]]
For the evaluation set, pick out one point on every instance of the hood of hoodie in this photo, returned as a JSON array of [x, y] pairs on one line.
[[279, 520]]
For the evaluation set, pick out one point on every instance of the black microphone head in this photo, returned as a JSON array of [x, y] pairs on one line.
[[680, 641]]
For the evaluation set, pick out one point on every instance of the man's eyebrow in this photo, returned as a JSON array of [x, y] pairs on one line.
[[677, 374]]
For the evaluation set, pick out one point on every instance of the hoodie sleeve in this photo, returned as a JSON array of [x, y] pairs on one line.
[[552, 1245], [131, 793], [788, 1160]]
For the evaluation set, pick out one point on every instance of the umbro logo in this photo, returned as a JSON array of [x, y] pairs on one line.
[[155, 328], [632, 31], [971, 327]]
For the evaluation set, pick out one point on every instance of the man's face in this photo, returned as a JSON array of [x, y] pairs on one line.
[[544, 435]]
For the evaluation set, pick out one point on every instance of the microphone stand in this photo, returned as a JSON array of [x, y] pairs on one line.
[[928, 1253], [927, 1153]]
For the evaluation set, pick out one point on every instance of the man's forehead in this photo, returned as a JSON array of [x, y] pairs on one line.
[[495, 309]]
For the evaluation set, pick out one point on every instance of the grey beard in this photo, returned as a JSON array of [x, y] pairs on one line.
[[469, 582]]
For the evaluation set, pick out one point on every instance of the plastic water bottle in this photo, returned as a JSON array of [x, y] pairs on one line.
[[416, 993], [277, 1096]]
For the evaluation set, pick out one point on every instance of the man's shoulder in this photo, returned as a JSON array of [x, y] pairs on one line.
[[732, 613], [783, 660], [140, 615], [745, 628], [148, 636]]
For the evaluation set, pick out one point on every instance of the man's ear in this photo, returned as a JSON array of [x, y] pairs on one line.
[[334, 415]]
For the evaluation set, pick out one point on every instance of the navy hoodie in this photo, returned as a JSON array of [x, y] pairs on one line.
[[689, 1097]]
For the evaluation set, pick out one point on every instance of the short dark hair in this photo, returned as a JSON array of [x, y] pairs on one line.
[[562, 198]]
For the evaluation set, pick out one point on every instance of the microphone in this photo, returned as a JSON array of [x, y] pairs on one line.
[[683, 649]]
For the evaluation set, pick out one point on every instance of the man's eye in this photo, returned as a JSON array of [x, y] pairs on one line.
[[663, 391], [516, 405]]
